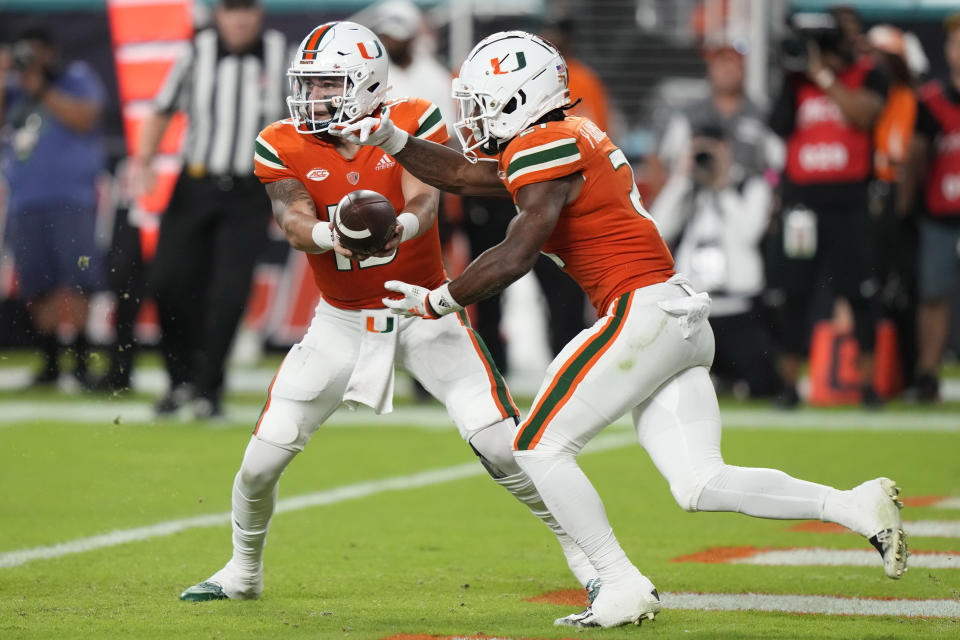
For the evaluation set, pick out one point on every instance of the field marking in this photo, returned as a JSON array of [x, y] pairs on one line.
[[914, 528], [295, 503], [101, 412], [782, 603], [817, 557]]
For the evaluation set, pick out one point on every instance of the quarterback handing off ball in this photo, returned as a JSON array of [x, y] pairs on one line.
[[363, 222]]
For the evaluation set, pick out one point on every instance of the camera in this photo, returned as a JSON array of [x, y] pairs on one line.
[[802, 28], [704, 160]]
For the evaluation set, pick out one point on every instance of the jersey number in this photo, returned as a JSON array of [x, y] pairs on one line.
[[345, 264], [619, 159]]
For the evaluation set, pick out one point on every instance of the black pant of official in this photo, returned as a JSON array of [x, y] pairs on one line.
[[844, 265], [210, 238]]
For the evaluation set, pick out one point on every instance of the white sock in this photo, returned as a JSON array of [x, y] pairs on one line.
[[255, 489], [251, 520], [523, 489], [763, 493], [576, 505]]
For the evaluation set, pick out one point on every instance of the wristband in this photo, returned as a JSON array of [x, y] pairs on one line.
[[322, 236], [397, 141], [411, 225], [440, 302], [824, 78]]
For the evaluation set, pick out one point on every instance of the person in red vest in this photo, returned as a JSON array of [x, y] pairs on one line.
[[826, 113], [935, 167]]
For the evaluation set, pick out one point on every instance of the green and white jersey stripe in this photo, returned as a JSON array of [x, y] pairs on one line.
[[545, 156], [266, 155], [429, 123]]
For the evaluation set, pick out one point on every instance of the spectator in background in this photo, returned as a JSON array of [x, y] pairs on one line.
[[934, 166], [52, 155], [715, 207], [896, 230], [232, 83], [826, 111], [414, 71], [714, 212], [584, 85]]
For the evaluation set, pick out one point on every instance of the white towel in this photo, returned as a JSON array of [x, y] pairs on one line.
[[371, 382], [690, 310]]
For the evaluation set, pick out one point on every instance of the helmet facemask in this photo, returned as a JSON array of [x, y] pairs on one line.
[[343, 51]]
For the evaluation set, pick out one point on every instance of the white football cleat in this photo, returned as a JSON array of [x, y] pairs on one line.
[[228, 583], [879, 504], [616, 605]]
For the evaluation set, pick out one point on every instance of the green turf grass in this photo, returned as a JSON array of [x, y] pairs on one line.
[[455, 558]]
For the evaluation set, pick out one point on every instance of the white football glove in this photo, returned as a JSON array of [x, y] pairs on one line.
[[376, 130], [420, 301]]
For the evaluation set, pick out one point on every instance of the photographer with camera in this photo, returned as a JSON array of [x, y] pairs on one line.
[[713, 214], [830, 101], [714, 208], [52, 155]]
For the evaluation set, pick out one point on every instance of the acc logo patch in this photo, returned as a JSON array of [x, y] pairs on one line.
[[353, 177], [317, 174]]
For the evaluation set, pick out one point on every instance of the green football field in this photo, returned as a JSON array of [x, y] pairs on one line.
[[388, 528]]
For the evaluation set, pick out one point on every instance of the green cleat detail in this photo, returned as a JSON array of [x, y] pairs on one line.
[[203, 592]]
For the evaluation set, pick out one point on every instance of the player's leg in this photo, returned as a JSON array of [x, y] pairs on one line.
[[604, 372], [451, 361], [679, 426], [307, 389]]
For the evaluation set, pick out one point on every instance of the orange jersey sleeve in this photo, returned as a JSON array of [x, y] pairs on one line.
[[604, 239], [283, 153]]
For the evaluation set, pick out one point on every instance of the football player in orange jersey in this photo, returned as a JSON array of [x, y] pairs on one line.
[[349, 352], [650, 351]]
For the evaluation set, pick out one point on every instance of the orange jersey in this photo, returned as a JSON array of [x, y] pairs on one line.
[[586, 86], [282, 152], [604, 239]]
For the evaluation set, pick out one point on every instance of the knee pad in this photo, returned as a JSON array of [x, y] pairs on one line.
[[494, 447], [285, 423], [687, 488], [263, 464]]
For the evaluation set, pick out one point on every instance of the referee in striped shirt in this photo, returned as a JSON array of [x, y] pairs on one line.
[[231, 83]]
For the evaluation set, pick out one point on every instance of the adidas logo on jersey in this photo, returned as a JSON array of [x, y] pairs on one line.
[[317, 174], [385, 163]]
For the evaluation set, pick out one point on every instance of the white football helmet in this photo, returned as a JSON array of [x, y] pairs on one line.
[[343, 50], [508, 81]]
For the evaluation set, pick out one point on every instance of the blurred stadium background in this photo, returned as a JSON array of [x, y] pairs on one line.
[[647, 52]]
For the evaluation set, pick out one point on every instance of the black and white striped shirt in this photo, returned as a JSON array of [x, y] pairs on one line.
[[228, 99]]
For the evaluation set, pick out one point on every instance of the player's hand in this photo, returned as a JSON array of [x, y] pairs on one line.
[[413, 303], [376, 130]]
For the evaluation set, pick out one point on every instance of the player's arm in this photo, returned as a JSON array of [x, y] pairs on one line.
[[448, 170], [538, 206], [433, 163], [296, 214]]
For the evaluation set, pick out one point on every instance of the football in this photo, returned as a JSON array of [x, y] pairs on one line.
[[364, 221]]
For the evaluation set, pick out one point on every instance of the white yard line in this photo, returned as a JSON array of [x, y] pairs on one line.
[[94, 412], [295, 503], [845, 558], [830, 605]]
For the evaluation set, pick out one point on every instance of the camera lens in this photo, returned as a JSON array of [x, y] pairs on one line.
[[703, 159]]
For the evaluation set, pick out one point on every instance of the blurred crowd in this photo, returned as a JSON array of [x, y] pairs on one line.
[[837, 205]]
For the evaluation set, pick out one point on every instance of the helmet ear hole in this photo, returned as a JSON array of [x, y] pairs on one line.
[[511, 106]]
